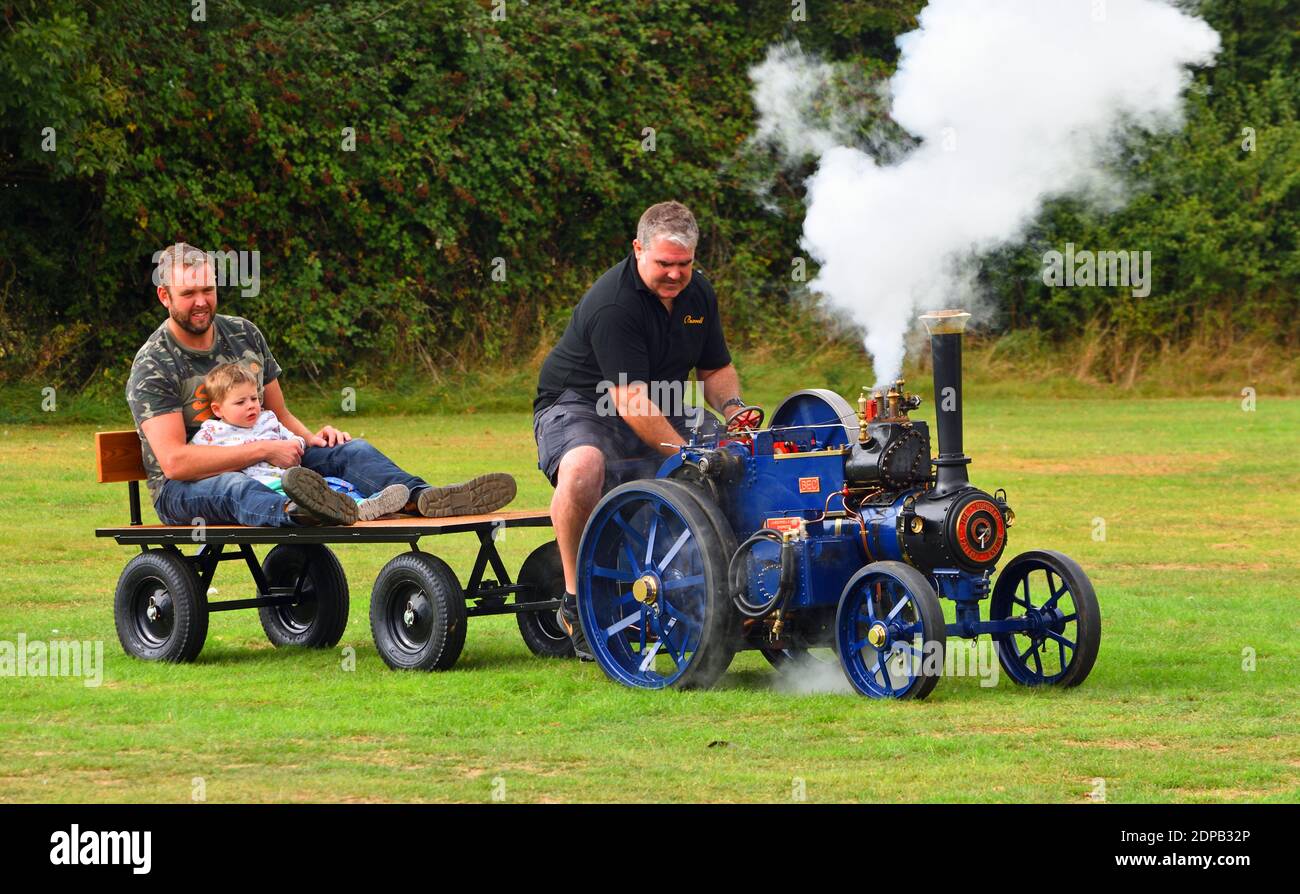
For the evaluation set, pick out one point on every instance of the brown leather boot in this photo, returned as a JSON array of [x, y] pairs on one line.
[[300, 516], [486, 493], [312, 493]]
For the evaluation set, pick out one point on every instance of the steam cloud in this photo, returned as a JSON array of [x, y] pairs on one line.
[[1013, 102]]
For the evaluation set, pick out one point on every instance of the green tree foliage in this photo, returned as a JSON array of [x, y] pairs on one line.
[[387, 159], [1217, 204]]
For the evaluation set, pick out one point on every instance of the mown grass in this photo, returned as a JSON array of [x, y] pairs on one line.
[[1198, 571]]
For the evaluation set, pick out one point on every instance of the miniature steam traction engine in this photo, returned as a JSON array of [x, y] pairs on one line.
[[827, 528]]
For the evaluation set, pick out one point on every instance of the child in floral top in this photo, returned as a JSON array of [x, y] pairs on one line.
[[232, 390]]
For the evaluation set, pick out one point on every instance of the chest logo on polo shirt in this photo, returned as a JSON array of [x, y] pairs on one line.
[[694, 321]]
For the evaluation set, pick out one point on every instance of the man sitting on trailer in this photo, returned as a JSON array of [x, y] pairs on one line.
[[189, 481], [636, 335]]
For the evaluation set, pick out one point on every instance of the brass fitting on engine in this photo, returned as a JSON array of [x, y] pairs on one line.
[[645, 590], [877, 635]]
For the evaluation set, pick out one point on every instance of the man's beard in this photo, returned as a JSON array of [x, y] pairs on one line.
[[189, 327]]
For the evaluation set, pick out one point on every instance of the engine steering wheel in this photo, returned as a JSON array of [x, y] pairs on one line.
[[747, 418]]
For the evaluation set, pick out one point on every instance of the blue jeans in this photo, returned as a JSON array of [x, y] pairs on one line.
[[233, 498]]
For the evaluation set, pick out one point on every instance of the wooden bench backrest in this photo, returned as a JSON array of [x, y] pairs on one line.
[[117, 456]]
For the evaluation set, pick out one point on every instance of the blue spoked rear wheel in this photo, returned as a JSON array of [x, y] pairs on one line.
[[890, 633], [652, 588], [1052, 595]]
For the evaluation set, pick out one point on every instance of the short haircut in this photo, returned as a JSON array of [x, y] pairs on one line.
[[668, 220], [221, 379], [180, 253]]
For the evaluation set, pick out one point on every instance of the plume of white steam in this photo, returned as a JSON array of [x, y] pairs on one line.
[[787, 87], [1013, 102], [818, 674]]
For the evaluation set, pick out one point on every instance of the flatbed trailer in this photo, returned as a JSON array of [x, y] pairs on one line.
[[419, 611]]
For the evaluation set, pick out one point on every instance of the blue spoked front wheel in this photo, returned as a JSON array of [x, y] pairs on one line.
[[889, 632], [1052, 597], [652, 588]]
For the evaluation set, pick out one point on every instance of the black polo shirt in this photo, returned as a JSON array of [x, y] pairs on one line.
[[620, 326]]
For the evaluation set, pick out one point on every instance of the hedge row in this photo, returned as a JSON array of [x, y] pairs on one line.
[[444, 177]]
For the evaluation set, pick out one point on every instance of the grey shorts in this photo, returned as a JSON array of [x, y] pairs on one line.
[[572, 421]]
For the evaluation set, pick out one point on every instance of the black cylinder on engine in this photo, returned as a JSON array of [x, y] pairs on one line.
[[893, 455], [964, 529], [945, 328]]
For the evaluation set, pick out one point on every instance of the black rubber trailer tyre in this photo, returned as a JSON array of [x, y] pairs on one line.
[[319, 619], [542, 631], [417, 613], [158, 608]]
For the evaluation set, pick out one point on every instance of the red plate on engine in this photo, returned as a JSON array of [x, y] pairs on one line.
[[980, 531]]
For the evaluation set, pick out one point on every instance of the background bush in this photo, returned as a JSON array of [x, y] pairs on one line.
[[521, 139]]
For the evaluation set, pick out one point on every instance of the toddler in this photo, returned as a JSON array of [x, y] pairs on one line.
[[232, 393]]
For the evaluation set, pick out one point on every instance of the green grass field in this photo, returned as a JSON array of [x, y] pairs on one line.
[[1198, 572]]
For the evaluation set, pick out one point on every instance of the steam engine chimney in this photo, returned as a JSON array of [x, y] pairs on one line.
[[945, 328]]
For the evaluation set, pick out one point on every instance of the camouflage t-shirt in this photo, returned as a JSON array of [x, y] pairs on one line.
[[167, 377]]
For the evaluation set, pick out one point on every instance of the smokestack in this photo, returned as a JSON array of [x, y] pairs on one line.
[[945, 328]]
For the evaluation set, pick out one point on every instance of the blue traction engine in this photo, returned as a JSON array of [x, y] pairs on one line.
[[829, 528]]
